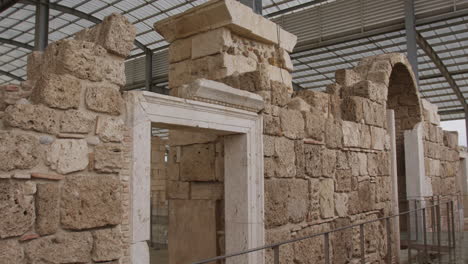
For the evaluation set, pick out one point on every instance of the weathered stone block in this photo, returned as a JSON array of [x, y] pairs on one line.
[[197, 162], [89, 202], [206, 191], [326, 197], [333, 133], [75, 121], [298, 104], [378, 164], [343, 180], [279, 93], [18, 151], [57, 91], [318, 101], [271, 125], [377, 138], [352, 109], [33, 117], [292, 123], [268, 146], [374, 113], [314, 126], [180, 50], [17, 209], [211, 42], [284, 157], [47, 208], [277, 235], [177, 190], [451, 139], [34, 63], [110, 129], [313, 160], [347, 77], [310, 251], [328, 162], [104, 99], [107, 244], [11, 252], [351, 134], [68, 155], [64, 247], [108, 157], [341, 204]]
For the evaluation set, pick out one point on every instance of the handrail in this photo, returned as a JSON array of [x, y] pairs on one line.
[[275, 246]]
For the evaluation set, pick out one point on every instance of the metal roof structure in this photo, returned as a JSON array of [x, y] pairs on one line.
[[332, 35]]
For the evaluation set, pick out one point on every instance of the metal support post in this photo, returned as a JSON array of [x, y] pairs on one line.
[[426, 257], [453, 224], [149, 70], [408, 236], [439, 244], [41, 30], [389, 240], [363, 250], [276, 255], [411, 46], [449, 232], [326, 241]]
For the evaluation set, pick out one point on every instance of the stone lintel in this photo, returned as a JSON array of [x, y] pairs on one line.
[[225, 13], [220, 93]]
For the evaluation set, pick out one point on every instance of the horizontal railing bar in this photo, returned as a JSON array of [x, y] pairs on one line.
[[271, 246]]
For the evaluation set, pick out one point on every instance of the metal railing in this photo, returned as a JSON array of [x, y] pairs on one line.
[[421, 220]]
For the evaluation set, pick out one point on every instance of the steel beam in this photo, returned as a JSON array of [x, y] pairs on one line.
[[16, 43], [2, 72], [41, 31], [411, 46], [79, 14], [149, 70], [256, 5], [5, 4]]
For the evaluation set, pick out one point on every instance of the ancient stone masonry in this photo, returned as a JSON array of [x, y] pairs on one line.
[[326, 154], [63, 193]]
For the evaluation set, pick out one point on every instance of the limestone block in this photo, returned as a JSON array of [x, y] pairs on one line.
[[34, 62], [193, 238], [11, 94], [285, 60], [343, 180], [292, 123], [17, 209], [351, 134], [177, 190], [333, 133], [277, 235], [366, 195], [374, 113], [64, 247], [108, 157], [206, 191], [180, 50], [57, 91], [107, 244], [298, 104], [47, 208], [328, 162], [314, 126], [78, 58], [347, 77], [341, 204], [279, 75], [115, 33], [285, 201], [11, 252], [232, 14], [280, 95], [76, 121], [104, 99], [376, 92], [89, 202], [113, 69], [110, 129], [310, 251], [68, 155], [451, 139], [326, 197], [18, 151], [430, 112], [313, 160], [197, 162], [268, 146], [352, 109], [211, 42], [284, 157], [378, 164], [377, 138], [33, 117], [383, 189], [318, 101]]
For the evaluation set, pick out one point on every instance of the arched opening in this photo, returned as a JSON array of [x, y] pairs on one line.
[[404, 100]]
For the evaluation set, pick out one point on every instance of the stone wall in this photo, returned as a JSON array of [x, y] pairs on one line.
[[63, 173], [326, 154], [195, 192]]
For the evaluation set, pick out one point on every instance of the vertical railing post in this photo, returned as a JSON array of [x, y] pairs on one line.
[[276, 255], [326, 241], [363, 250], [389, 240], [433, 221], [416, 224], [449, 232], [453, 224], [408, 235], [426, 257], [439, 244]]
